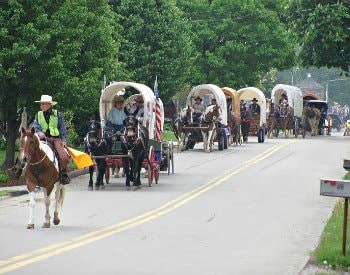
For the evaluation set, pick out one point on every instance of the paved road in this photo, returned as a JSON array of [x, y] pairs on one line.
[[253, 209]]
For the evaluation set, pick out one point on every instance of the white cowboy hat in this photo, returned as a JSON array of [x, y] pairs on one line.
[[46, 99]]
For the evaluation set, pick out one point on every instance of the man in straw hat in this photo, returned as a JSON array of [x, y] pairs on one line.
[[49, 125], [117, 114]]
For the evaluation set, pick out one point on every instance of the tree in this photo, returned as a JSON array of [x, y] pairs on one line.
[[238, 41], [58, 47], [322, 28], [156, 41]]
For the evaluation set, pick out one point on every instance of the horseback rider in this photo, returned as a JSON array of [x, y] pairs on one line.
[[117, 114], [198, 109], [49, 125], [255, 108]]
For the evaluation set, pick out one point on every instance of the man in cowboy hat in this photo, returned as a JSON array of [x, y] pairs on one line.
[[198, 109], [255, 108], [137, 108], [49, 124], [117, 114]]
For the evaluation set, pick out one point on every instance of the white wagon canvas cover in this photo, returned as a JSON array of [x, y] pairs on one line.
[[210, 89], [247, 94], [294, 94], [115, 88]]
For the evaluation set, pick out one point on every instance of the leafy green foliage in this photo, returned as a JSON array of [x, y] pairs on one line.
[[73, 137], [322, 28], [238, 41], [156, 41], [4, 177], [62, 48]]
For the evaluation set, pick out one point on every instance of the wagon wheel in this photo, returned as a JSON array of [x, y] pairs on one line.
[[151, 158], [168, 156], [172, 156]]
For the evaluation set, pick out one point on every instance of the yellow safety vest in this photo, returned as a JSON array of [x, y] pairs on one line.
[[53, 123]]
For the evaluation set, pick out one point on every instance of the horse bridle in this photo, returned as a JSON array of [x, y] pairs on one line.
[[23, 162]]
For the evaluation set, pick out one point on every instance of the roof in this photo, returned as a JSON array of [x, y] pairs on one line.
[[294, 94], [310, 85], [205, 89]]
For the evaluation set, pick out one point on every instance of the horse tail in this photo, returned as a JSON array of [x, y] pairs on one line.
[[61, 195]]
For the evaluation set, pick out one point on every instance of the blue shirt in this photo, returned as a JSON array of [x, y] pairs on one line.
[[61, 126], [116, 116]]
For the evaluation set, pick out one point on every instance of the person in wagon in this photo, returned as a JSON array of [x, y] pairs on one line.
[[255, 108], [49, 125], [137, 109], [117, 114], [214, 102], [198, 109], [283, 99]]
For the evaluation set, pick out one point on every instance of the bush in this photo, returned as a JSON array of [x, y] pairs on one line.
[[4, 177], [73, 138], [2, 143]]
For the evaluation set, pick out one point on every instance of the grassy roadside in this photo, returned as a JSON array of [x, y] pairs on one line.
[[3, 193], [329, 249]]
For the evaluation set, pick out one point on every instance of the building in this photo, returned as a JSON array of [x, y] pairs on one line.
[[311, 89]]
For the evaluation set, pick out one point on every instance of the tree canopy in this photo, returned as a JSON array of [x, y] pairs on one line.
[[323, 31]]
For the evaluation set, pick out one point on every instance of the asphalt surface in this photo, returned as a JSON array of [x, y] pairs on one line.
[[253, 209]]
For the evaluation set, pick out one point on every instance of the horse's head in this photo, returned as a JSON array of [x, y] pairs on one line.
[[186, 115], [131, 125], [29, 144]]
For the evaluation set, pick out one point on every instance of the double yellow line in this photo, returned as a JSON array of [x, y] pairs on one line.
[[85, 239]]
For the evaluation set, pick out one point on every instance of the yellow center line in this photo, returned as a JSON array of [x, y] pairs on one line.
[[59, 248]]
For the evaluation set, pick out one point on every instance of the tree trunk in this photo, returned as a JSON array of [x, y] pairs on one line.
[[11, 135]]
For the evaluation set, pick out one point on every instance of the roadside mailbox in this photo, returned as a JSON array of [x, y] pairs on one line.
[[335, 188], [346, 164], [338, 188]]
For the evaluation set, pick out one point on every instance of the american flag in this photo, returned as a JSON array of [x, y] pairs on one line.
[[158, 114]]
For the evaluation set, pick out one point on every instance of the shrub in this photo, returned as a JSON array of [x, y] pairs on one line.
[[4, 177], [73, 138]]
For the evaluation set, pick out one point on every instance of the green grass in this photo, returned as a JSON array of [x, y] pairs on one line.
[[330, 248], [168, 135], [4, 177], [3, 193]]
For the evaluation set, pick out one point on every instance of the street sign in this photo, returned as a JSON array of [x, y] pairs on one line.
[[335, 188], [346, 164]]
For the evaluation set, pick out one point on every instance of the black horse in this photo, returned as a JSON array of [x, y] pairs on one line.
[[96, 146], [134, 144]]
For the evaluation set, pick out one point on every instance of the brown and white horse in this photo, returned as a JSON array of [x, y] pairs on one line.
[[185, 118], [40, 169], [210, 119], [235, 125]]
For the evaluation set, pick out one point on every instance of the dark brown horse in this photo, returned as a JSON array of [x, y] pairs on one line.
[[272, 119], [311, 117], [235, 125], [286, 118], [41, 169]]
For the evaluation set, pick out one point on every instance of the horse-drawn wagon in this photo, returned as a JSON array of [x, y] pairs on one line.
[[120, 149], [315, 118], [257, 119], [209, 126], [287, 109]]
